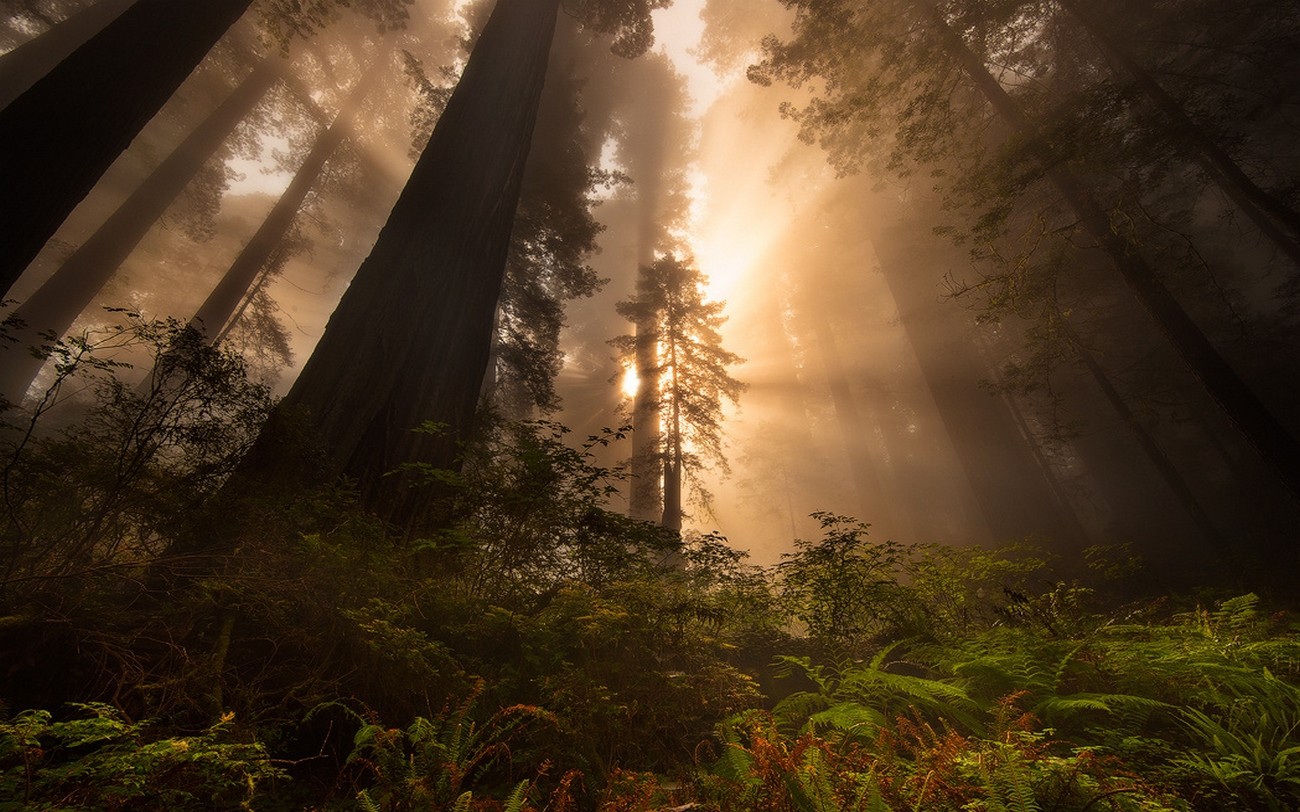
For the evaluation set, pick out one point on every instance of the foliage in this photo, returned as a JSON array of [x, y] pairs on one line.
[[670, 309], [100, 760], [106, 489]]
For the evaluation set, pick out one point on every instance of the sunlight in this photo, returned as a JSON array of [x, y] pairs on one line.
[[630, 382]]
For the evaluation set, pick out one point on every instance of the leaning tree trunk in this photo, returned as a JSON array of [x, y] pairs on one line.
[[1014, 497], [409, 342], [59, 137], [224, 299], [1169, 473], [1274, 219], [25, 65], [1269, 437], [54, 306]]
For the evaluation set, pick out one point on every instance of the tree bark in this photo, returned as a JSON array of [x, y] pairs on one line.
[[672, 516], [221, 303], [25, 65], [54, 306], [60, 136], [409, 341], [1269, 437]]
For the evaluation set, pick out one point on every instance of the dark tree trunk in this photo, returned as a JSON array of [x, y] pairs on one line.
[[60, 136], [54, 306], [1275, 220], [25, 65], [224, 299], [1269, 437], [409, 341], [647, 463], [1169, 473], [672, 516]]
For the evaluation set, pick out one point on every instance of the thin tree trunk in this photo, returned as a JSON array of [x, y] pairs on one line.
[[1269, 437], [222, 302], [409, 341], [672, 517], [1275, 220], [60, 136], [25, 65], [54, 306]]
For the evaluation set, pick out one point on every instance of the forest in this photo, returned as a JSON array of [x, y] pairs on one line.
[[650, 405]]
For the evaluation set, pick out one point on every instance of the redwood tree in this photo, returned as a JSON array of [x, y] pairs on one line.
[[409, 342], [60, 136]]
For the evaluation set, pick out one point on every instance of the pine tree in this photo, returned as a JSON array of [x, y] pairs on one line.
[[692, 372]]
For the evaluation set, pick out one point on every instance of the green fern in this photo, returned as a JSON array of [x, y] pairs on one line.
[[518, 796]]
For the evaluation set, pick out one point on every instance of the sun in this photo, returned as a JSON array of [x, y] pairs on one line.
[[630, 382]]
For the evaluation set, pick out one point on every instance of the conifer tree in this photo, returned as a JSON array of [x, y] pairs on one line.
[[670, 309]]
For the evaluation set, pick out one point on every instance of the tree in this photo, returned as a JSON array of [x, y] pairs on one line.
[[409, 342], [59, 137], [692, 373], [25, 65], [912, 58], [221, 304], [51, 310]]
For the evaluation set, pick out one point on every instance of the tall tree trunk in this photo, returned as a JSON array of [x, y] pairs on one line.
[[1015, 499], [1275, 220], [60, 136], [1169, 473], [1269, 437], [25, 65], [672, 516], [222, 302], [409, 341], [57, 303], [647, 463]]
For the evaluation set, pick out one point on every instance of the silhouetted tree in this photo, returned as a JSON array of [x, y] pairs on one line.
[[692, 373], [59, 136], [409, 342]]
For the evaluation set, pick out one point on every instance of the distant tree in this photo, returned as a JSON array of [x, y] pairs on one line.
[[692, 373]]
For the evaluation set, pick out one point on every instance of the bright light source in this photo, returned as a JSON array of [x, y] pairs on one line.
[[630, 382]]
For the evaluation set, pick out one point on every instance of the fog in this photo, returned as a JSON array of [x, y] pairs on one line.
[[932, 342]]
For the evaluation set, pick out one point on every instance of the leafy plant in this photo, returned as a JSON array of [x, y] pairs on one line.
[[103, 761]]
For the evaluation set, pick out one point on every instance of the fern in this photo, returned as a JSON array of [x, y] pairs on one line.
[[518, 796]]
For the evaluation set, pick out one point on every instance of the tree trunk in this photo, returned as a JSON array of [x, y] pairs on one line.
[[224, 299], [647, 463], [60, 136], [1275, 220], [409, 341], [1169, 473], [57, 303], [1013, 496], [1269, 437], [25, 65], [672, 516]]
